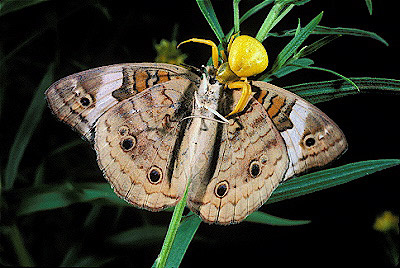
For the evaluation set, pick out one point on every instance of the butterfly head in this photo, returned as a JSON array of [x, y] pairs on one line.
[[246, 57]]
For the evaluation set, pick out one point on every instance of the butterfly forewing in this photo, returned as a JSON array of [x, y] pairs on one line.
[[80, 99]]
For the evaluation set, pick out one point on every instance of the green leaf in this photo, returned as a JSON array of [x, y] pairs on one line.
[[73, 258], [298, 28], [287, 69], [103, 9], [8, 6], [17, 48], [62, 149], [46, 197], [276, 14], [236, 15], [349, 31], [13, 234], [307, 50], [329, 71], [3, 85], [293, 188], [209, 13], [67, 146], [291, 48], [249, 13], [369, 6], [264, 218], [138, 237], [170, 237], [28, 125], [295, 2], [91, 261], [329, 178], [335, 31], [184, 236], [255, 9], [316, 92]]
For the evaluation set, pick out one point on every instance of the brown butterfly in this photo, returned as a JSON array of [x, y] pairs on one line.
[[157, 128]]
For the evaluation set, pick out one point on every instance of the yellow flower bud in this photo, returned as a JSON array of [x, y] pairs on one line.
[[386, 222]]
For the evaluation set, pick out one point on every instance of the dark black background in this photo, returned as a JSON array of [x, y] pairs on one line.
[[76, 32]]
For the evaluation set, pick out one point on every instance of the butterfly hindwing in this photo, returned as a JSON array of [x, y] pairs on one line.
[[252, 161], [135, 142], [312, 139]]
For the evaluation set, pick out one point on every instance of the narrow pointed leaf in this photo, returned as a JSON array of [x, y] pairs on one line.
[[295, 43], [316, 92], [139, 236], [209, 13], [251, 12], [329, 178], [14, 235], [255, 9], [369, 6], [28, 125], [184, 236], [17, 48], [47, 197], [276, 14], [307, 50], [171, 235], [293, 188], [8, 6], [236, 15], [287, 69], [329, 71], [264, 218], [339, 30], [295, 2]]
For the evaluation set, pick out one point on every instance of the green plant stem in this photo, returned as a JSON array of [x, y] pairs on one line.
[[236, 15], [172, 229]]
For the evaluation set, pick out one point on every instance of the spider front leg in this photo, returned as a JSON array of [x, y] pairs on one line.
[[246, 57], [243, 85], [214, 53]]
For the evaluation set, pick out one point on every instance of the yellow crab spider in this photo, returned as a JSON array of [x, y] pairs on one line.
[[246, 57]]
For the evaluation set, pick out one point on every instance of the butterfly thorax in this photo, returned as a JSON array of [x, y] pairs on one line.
[[207, 96], [199, 142]]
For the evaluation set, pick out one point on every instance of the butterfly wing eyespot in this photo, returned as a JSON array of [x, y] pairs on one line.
[[134, 144], [255, 168], [86, 100], [309, 141], [155, 175], [128, 143], [134, 114], [221, 189], [81, 98], [312, 139]]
